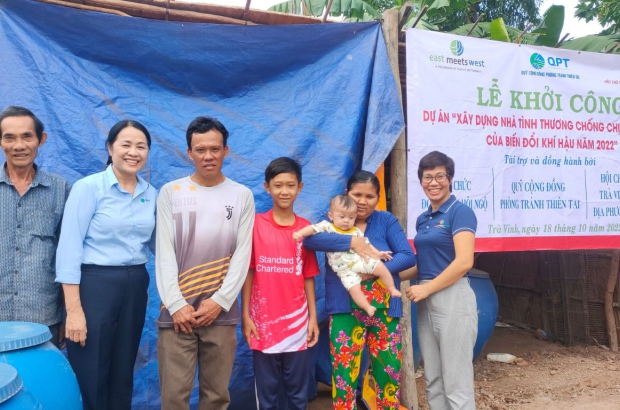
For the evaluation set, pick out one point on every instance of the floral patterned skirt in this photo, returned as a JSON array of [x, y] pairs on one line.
[[349, 333]]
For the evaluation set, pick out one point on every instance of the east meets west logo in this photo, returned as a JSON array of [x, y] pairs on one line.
[[457, 50], [538, 61]]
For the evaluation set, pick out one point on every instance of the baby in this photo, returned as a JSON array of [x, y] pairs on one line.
[[349, 265]]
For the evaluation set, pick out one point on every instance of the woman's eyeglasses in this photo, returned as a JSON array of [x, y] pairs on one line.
[[427, 179]]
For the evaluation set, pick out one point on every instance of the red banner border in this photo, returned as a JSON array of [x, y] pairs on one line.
[[546, 243]]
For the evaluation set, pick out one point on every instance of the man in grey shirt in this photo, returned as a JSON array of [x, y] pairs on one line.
[[31, 206], [204, 243]]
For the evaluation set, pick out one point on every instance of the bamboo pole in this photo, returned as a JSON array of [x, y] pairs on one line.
[[253, 15], [159, 12], [420, 15], [398, 174], [83, 7], [403, 14], [610, 317], [471, 30], [246, 11], [520, 36], [327, 9], [563, 39]]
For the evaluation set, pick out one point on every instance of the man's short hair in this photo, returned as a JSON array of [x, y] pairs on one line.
[[17, 111], [282, 165], [200, 125], [344, 201]]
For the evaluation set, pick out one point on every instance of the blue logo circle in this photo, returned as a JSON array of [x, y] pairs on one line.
[[456, 47], [537, 61]]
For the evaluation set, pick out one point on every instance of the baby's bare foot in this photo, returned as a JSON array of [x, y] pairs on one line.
[[395, 293], [370, 310]]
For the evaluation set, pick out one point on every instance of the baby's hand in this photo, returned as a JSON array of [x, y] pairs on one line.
[[297, 236], [385, 255]]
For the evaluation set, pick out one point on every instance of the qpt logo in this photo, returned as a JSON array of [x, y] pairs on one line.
[[456, 47], [537, 61]]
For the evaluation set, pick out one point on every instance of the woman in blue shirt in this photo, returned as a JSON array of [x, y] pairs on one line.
[[447, 312], [107, 231], [351, 329]]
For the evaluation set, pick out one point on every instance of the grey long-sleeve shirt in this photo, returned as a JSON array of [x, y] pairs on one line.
[[204, 243]]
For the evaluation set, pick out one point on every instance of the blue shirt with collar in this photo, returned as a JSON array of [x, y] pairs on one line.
[[433, 242], [384, 233], [29, 230], [105, 225]]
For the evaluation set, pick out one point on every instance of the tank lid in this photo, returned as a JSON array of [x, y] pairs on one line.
[[477, 273], [19, 335], [10, 382]]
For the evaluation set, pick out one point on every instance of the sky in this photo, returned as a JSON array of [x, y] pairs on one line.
[[576, 28]]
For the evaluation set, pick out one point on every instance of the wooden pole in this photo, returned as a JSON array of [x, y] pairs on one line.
[[610, 318], [246, 11], [471, 30], [520, 36], [420, 15], [562, 40], [139, 9], [398, 174], [83, 7], [403, 14], [253, 15], [327, 9]]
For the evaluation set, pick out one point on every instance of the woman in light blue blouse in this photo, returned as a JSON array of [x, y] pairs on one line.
[[107, 231]]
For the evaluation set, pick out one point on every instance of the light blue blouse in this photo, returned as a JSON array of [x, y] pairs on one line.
[[105, 225]]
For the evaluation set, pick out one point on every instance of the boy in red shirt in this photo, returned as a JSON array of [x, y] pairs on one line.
[[279, 318]]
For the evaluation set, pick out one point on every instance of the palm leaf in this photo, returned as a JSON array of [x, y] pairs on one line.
[[598, 44], [498, 30], [550, 29]]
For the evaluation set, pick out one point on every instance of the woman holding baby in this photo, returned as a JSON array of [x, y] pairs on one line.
[[351, 329]]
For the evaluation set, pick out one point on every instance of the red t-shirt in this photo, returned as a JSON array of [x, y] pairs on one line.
[[278, 304]]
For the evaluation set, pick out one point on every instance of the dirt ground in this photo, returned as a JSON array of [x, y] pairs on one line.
[[551, 376]]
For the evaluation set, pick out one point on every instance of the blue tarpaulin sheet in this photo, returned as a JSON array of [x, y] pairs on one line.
[[323, 94]]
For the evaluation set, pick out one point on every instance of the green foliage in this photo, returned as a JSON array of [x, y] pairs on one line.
[[312, 7], [607, 12], [498, 30], [597, 44], [509, 18], [352, 10], [549, 30], [483, 30], [547, 33], [442, 15], [515, 13]]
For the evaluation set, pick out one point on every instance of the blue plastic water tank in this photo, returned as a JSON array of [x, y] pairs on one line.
[[13, 395], [486, 299], [45, 372]]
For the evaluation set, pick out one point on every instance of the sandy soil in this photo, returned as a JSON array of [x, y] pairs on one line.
[[550, 376]]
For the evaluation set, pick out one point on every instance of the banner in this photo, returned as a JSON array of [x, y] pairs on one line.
[[323, 94], [533, 132]]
